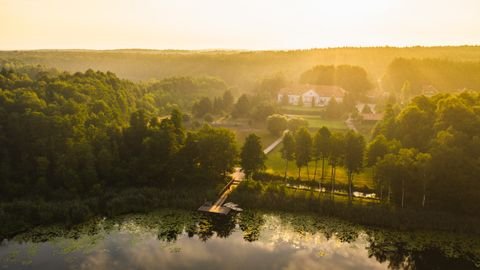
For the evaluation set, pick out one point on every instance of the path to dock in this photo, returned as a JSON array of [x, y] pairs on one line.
[[275, 143], [237, 177]]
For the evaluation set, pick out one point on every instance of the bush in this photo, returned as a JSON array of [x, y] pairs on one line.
[[208, 118], [276, 124], [297, 123]]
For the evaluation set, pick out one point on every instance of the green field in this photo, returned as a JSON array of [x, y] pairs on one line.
[[294, 109], [242, 127], [276, 165], [316, 122]]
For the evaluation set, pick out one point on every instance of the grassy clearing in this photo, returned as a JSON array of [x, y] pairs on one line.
[[301, 109], [242, 127], [276, 165], [316, 122]]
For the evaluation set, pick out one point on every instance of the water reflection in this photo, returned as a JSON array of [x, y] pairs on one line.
[[250, 240]]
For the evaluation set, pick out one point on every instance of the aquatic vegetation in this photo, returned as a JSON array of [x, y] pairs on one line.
[[399, 249], [250, 223]]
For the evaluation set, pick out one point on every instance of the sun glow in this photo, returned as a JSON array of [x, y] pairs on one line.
[[248, 24]]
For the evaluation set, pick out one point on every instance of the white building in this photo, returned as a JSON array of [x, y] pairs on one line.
[[318, 95]]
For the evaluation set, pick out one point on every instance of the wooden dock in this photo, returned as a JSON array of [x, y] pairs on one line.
[[217, 207], [237, 177]]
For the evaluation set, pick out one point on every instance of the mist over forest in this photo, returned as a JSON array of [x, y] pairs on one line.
[[240, 69]]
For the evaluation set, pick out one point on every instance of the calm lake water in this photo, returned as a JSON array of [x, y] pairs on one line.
[[186, 240]]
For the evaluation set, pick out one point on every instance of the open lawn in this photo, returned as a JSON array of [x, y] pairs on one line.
[[276, 165], [242, 127], [316, 122], [294, 109]]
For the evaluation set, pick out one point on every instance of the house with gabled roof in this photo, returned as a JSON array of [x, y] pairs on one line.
[[308, 95]]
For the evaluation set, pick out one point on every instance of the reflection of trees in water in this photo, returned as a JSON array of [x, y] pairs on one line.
[[434, 259], [250, 223], [170, 227], [414, 254], [387, 251], [209, 224], [203, 225], [204, 228], [224, 225], [400, 250]]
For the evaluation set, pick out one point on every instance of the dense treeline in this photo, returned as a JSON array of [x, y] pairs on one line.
[[411, 77], [353, 79], [77, 135], [179, 92], [427, 154], [238, 68]]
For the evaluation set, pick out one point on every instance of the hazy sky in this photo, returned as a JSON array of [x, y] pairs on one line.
[[228, 24]]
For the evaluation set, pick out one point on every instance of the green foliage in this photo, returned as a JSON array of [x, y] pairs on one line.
[[276, 124], [443, 132], [202, 107], [354, 154], [252, 158], [296, 123], [242, 107], [303, 148], [240, 68], [353, 79], [410, 77], [217, 150], [76, 135], [321, 148]]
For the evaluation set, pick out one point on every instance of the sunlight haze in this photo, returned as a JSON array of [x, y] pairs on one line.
[[248, 24]]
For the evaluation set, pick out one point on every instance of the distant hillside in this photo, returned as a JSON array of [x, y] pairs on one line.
[[238, 68]]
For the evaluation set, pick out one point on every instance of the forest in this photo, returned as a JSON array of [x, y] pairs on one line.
[[239, 69], [77, 134], [415, 76]]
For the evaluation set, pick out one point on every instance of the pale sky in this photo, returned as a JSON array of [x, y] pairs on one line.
[[228, 24]]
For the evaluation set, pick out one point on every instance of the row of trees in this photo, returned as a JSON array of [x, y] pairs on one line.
[[337, 149]]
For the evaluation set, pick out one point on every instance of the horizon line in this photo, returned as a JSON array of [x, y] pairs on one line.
[[239, 49]]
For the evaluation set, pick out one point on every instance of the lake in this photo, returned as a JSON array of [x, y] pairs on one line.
[[177, 239]]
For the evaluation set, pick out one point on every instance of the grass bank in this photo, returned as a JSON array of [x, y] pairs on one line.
[[22, 215], [273, 196]]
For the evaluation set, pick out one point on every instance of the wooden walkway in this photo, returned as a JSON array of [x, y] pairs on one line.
[[237, 177], [275, 143]]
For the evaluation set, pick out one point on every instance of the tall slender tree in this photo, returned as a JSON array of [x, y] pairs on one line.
[[321, 144], [288, 150], [422, 166], [354, 151], [336, 153]]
